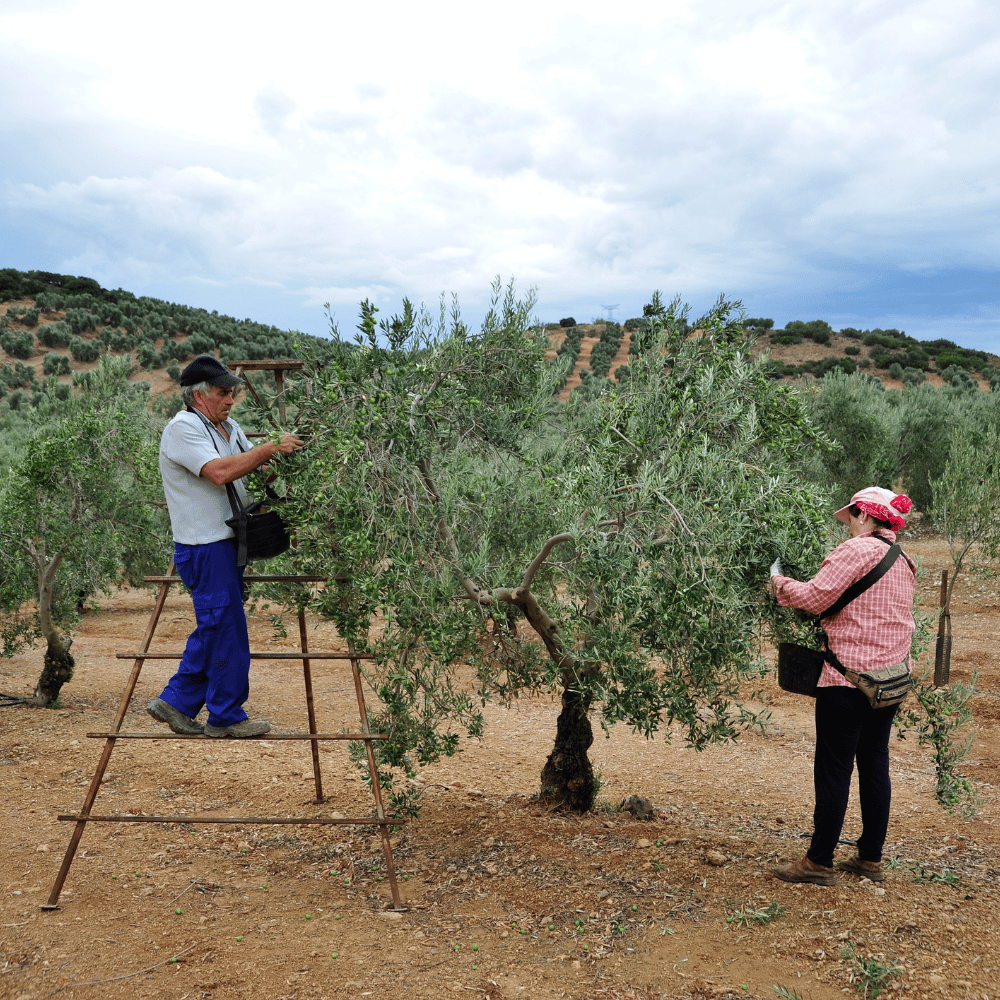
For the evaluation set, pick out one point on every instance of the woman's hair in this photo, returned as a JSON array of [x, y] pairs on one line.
[[857, 512]]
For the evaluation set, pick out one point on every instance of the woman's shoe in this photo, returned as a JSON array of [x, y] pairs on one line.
[[806, 871], [869, 869]]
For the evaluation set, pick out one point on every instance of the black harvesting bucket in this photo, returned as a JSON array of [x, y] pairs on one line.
[[799, 668]]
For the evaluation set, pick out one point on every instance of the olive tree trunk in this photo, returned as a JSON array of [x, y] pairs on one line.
[[568, 779], [58, 663]]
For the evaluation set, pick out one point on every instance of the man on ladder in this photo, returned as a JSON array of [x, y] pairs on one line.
[[201, 450]]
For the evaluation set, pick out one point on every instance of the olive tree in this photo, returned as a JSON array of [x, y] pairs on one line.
[[78, 514], [612, 550]]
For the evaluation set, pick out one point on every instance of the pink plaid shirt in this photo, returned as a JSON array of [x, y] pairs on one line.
[[874, 629]]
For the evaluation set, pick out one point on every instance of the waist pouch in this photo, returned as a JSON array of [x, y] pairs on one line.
[[884, 687]]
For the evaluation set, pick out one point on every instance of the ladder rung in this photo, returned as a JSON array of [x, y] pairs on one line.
[[253, 579], [316, 820], [216, 739], [160, 655]]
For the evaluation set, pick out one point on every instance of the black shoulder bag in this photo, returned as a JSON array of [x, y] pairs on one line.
[[260, 534], [799, 667]]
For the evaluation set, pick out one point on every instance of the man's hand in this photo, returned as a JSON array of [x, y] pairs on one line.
[[226, 470], [288, 444]]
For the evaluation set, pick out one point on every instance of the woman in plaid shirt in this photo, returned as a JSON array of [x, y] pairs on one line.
[[872, 631]]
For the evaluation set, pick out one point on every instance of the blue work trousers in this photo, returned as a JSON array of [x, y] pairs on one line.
[[849, 730], [215, 667]]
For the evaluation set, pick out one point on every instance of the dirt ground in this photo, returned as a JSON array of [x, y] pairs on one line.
[[503, 899]]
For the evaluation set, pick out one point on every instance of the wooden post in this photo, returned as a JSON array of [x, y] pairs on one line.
[[942, 653]]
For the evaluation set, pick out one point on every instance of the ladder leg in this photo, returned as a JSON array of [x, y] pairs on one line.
[[376, 787], [307, 677], [81, 823], [102, 765]]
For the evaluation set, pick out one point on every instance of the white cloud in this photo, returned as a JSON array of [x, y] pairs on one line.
[[273, 107], [765, 146]]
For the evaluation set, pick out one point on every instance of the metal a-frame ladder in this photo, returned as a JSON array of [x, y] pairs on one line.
[[111, 738]]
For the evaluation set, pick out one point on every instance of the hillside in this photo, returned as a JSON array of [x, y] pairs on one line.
[[811, 349], [53, 327]]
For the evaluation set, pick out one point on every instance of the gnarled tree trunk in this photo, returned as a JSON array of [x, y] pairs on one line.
[[58, 666], [58, 670], [568, 776]]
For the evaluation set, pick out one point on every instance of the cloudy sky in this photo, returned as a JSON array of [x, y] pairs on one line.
[[833, 161]]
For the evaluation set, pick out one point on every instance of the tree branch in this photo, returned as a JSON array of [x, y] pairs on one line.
[[419, 398], [529, 573], [446, 535]]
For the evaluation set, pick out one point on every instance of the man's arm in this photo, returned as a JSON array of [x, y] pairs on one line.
[[232, 467]]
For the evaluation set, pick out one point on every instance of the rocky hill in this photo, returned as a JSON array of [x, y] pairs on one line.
[[54, 327], [809, 350]]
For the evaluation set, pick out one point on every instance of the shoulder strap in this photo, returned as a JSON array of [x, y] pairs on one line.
[[234, 500], [869, 579]]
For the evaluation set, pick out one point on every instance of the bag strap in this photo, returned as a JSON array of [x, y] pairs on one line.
[[856, 590], [868, 580], [239, 512]]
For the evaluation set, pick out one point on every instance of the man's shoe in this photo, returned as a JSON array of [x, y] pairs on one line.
[[239, 730], [869, 869], [163, 711], [803, 871]]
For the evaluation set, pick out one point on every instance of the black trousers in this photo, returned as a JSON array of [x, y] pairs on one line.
[[848, 729]]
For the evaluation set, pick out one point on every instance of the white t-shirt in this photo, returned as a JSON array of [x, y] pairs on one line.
[[198, 508]]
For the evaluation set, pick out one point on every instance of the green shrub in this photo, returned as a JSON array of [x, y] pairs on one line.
[[55, 364], [914, 376], [817, 330], [962, 358], [148, 357], [605, 349], [18, 345], [81, 321], [895, 370], [758, 324], [882, 359], [567, 322], [959, 378], [852, 350], [174, 371], [17, 375], [84, 350], [121, 341], [200, 343], [54, 335], [30, 318], [851, 332], [633, 324]]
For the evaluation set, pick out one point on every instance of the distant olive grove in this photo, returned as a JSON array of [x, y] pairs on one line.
[[78, 315]]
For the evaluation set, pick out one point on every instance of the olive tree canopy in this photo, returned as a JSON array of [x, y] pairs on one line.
[[77, 515], [612, 549]]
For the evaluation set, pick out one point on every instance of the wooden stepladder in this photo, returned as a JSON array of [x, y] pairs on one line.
[[379, 819]]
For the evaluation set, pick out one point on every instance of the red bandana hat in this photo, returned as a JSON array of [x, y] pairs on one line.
[[882, 504]]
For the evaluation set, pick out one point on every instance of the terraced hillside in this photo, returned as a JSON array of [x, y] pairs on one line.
[[590, 336], [54, 328]]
